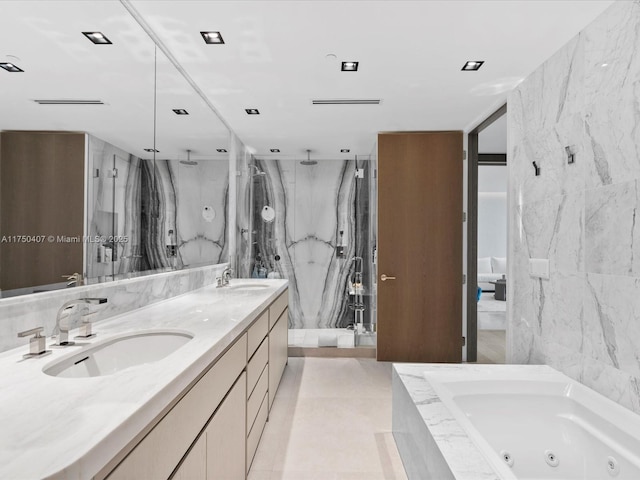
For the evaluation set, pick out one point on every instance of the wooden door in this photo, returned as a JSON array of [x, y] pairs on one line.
[[420, 244], [42, 198]]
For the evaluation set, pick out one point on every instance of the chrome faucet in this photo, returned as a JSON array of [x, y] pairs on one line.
[[62, 328], [223, 280], [226, 275]]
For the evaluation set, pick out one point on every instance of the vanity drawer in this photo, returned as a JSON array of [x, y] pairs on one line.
[[158, 454], [278, 355], [256, 365], [277, 307], [256, 432], [255, 399], [257, 332]]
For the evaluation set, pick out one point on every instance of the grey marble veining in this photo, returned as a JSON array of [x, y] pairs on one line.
[[72, 428], [30, 311], [318, 209], [163, 213], [431, 442], [584, 320]]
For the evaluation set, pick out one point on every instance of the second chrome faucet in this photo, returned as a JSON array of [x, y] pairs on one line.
[[65, 320]]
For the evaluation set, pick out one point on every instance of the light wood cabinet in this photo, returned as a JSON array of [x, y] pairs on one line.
[[226, 441], [278, 344], [158, 454], [213, 431], [194, 464]]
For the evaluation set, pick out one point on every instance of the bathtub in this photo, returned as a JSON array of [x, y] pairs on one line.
[[515, 422]]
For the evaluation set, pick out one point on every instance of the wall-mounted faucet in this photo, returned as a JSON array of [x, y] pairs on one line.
[[62, 327]]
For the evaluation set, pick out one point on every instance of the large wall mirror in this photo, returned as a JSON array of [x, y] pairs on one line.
[[111, 165]]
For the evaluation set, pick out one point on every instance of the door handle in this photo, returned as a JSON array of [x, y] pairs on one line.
[[384, 278]]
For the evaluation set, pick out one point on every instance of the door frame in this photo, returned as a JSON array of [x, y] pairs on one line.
[[472, 233]]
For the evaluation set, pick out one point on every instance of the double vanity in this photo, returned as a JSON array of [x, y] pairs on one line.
[[179, 389]]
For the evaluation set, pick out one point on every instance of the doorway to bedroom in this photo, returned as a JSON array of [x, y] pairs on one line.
[[491, 241]]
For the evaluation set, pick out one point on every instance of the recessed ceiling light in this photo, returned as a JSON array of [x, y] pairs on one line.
[[221, 150], [349, 66], [97, 37], [275, 150], [180, 111], [345, 150], [471, 65], [10, 67], [252, 111], [212, 37], [150, 150]]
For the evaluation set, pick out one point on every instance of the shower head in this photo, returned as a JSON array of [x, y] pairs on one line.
[[308, 161], [259, 172], [188, 161]]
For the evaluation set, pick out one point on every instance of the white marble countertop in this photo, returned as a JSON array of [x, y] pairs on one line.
[[70, 428], [462, 455]]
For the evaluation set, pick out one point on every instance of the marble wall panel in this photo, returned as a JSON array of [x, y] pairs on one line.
[[585, 319], [611, 91], [319, 209], [612, 230], [30, 311], [201, 211]]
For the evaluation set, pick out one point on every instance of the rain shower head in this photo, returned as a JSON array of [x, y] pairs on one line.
[[308, 161], [188, 161]]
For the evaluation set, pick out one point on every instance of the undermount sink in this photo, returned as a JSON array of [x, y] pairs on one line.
[[118, 353], [248, 286]]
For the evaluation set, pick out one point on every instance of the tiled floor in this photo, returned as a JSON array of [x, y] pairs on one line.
[[491, 346], [331, 420]]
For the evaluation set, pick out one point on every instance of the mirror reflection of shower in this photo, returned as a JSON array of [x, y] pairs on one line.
[[260, 267]]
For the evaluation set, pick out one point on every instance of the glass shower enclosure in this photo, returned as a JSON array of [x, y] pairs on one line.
[[311, 222]]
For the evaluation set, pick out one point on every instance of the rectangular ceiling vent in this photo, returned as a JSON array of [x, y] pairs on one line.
[[347, 101], [69, 102]]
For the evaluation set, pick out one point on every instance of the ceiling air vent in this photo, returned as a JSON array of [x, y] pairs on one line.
[[69, 102], [348, 101]]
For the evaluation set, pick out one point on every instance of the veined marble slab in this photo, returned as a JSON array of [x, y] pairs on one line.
[[431, 442], [581, 216], [71, 428], [318, 209], [39, 310]]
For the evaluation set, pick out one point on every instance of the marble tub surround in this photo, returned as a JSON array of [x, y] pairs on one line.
[[523, 410], [71, 428], [430, 440], [23, 313], [583, 320], [313, 204]]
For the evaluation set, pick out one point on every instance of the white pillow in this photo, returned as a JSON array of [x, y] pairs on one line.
[[484, 265], [499, 264]]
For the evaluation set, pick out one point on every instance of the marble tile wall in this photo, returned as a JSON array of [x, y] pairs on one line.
[[30, 311], [584, 320], [312, 205]]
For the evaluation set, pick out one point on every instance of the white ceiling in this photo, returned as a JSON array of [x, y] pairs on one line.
[[274, 59]]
